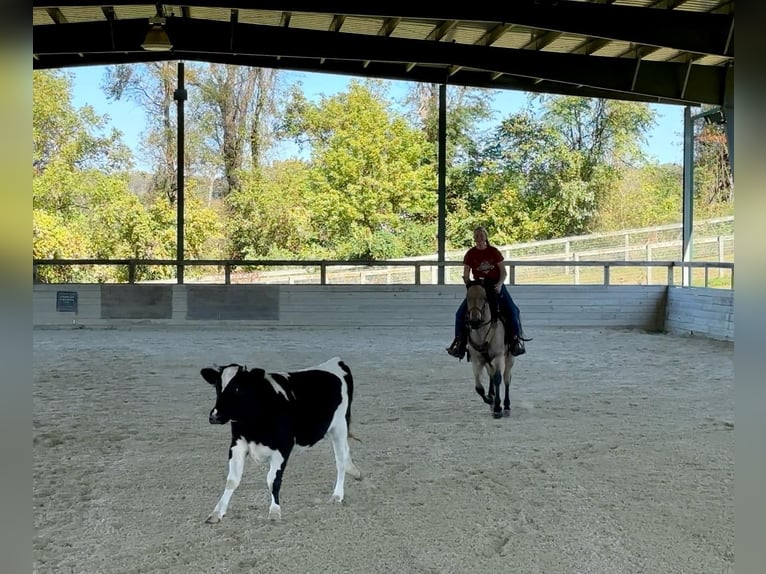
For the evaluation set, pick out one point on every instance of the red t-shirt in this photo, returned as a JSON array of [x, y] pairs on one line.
[[483, 262]]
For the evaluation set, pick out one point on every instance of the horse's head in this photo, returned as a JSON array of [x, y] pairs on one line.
[[477, 306]]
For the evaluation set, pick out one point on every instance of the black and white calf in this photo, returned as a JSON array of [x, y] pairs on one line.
[[272, 412]]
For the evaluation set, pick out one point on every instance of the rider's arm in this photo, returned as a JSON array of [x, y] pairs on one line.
[[466, 274], [503, 275]]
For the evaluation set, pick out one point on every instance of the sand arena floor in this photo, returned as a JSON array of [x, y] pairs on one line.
[[617, 458]]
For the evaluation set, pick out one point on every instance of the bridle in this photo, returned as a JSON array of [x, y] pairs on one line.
[[483, 310]]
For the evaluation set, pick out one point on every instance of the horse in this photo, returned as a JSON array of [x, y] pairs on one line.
[[487, 349]]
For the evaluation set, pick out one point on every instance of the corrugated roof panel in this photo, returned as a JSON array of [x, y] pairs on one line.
[[414, 30], [307, 21], [41, 17], [564, 43], [133, 12], [713, 61], [469, 33], [514, 38], [82, 14], [217, 14], [355, 25], [614, 48], [634, 3], [262, 17], [700, 5], [662, 55]]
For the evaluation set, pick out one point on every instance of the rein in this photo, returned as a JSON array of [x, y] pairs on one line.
[[484, 346]]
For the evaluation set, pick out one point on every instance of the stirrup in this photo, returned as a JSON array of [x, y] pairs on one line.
[[517, 347], [455, 349]]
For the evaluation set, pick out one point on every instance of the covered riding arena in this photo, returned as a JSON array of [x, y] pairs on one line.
[[618, 456]]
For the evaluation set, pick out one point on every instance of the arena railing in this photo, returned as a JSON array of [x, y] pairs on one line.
[[417, 272]]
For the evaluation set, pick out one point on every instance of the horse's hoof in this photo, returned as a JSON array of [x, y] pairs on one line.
[[497, 414], [506, 412]]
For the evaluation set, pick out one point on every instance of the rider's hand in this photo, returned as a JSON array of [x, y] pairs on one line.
[[498, 286]]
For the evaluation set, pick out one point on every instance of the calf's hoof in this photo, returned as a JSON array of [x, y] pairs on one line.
[[336, 498], [507, 412], [354, 471], [497, 414], [213, 519], [275, 513]]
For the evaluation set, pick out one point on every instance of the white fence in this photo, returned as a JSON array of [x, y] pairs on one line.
[[713, 241]]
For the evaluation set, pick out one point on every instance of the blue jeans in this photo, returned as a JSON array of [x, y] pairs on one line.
[[507, 307]]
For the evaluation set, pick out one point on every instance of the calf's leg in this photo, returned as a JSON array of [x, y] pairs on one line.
[[343, 462], [277, 464], [237, 455]]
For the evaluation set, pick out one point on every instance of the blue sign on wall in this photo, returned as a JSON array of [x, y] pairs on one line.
[[66, 301]]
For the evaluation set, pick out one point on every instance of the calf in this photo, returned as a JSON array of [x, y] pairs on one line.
[[272, 412]]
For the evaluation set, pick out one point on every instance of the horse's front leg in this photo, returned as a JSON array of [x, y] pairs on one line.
[[497, 411], [507, 380], [477, 368], [498, 368]]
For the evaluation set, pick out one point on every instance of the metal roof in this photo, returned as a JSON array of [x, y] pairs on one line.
[[663, 51]]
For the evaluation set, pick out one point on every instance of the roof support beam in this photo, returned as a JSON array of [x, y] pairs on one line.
[[197, 39]]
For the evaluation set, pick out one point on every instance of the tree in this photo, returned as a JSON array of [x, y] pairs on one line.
[[152, 87], [72, 136], [713, 179], [371, 187], [238, 103], [466, 109], [645, 196], [604, 132], [83, 207], [261, 225], [544, 173]]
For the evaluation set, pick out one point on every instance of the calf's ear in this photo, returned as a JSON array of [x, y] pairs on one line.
[[212, 376]]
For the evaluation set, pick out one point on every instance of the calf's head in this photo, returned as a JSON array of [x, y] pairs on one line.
[[234, 387]]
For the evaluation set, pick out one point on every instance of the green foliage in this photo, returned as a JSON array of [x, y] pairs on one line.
[[269, 216], [545, 175], [713, 180], [604, 131], [368, 181], [368, 188], [70, 136], [646, 196]]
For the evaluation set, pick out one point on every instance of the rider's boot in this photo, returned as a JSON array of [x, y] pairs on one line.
[[457, 348], [517, 346]]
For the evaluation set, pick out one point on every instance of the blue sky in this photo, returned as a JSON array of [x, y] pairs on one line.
[[664, 142]]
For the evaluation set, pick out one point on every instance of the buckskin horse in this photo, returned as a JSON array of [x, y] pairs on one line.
[[487, 349]]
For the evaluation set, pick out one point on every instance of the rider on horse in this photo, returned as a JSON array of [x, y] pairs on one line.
[[485, 263]]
